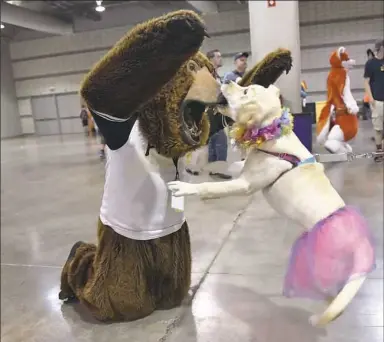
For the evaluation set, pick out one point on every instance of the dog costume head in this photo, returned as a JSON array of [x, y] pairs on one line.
[[340, 59], [254, 105]]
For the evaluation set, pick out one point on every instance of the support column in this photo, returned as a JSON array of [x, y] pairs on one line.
[[10, 116], [275, 24], [272, 28]]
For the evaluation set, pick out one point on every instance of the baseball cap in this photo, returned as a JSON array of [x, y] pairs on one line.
[[241, 54], [378, 44]]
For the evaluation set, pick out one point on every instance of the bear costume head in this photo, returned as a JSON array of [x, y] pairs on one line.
[[157, 74]]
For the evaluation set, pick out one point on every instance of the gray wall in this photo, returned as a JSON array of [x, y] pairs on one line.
[[56, 65], [10, 118], [326, 25]]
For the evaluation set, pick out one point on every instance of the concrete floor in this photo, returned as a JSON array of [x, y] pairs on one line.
[[51, 189]]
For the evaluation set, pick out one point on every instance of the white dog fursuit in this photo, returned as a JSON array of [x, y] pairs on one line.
[[334, 254]]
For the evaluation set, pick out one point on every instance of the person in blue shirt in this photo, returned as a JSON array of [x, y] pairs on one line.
[[374, 88], [218, 143], [241, 63]]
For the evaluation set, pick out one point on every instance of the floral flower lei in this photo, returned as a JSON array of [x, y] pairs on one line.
[[254, 136]]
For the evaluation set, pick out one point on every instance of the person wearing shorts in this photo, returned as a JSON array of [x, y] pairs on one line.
[[374, 87]]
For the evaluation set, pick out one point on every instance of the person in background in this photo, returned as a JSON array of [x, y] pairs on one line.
[[366, 107], [84, 119], [241, 63], [218, 143], [374, 88], [303, 93]]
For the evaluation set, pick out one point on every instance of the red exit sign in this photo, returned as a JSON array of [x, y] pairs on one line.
[[271, 3]]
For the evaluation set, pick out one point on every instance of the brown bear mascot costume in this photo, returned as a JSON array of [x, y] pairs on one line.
[[149, 97]]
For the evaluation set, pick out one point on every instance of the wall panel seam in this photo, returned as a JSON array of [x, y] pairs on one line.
[[318, 92], [341, 20], [337, 44], [50, 94], [61, 54], [59, 74], [314, 70]]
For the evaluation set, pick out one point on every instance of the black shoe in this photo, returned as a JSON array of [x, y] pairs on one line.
[[194, 173], [68, 299], [220, 175], [380, 158], [102, 154]]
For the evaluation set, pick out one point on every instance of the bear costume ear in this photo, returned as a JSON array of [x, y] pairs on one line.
[[269, 69], [142, 62]]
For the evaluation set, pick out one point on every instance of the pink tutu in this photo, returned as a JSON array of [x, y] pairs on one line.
[[324, 259]]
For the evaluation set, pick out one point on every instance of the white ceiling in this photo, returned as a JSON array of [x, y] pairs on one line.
[[118, 13]]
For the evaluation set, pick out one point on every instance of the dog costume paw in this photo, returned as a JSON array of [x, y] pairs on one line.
[[180, 189]]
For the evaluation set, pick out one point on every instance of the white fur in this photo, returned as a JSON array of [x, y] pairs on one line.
[[255, 105], [322, 137], [340, 50], [259, 171], [336, 143], [335, 140], [236, 168], [198, 159]]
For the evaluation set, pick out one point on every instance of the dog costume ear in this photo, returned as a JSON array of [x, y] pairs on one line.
[[142, 62], [269, 69]]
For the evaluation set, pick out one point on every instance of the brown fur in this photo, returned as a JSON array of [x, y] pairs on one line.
[[124, 279], [145, 74], [142, 62], [349, 124], [159, 118]]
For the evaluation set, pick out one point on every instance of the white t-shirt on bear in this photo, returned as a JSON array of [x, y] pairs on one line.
[[136, 201]]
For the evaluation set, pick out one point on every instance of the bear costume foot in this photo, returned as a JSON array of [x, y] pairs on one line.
[[66, 294]]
